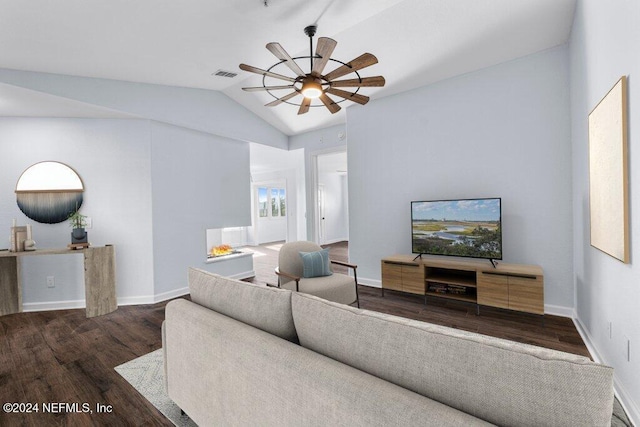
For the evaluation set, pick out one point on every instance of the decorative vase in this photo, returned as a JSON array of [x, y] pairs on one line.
[[78, 235]]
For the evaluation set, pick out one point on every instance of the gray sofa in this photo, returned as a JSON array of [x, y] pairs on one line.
[[242, 354]]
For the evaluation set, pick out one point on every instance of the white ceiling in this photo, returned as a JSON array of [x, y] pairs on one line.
[[181, 43]]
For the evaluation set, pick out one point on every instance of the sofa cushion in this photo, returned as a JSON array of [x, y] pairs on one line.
[[265, 308], [315, 264], [500, 381]]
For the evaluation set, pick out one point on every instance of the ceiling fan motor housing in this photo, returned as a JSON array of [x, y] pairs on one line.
[[310, 30]]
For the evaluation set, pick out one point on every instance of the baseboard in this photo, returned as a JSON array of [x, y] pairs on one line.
[[145, 299], [243, 275], [171, 294], [625, 399], [53, 305], [370, 282], [558, 310], [332, 241]]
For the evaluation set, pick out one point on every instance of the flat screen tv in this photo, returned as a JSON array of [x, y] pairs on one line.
[[463, 228]]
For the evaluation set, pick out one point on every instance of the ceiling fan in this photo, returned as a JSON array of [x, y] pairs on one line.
[[314, 84]]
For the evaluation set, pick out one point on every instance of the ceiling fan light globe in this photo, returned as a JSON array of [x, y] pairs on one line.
[[311, 89]]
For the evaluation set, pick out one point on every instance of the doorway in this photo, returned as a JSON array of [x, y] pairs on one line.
[[331, 197]]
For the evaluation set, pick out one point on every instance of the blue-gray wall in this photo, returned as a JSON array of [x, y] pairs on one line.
[[503, 131], [604, 46]]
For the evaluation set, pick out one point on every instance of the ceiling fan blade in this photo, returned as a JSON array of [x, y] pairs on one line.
[[355, 97], [324, 49], [364, 82], [282, 54], [261, 88], [256, 70], [304, 107], [283, 99], [329, 103], [362, 61]]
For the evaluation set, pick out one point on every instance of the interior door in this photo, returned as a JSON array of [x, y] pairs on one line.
[[321, 215]]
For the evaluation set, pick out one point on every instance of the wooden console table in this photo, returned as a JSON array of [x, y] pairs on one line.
[[99, 278], [512, 286]]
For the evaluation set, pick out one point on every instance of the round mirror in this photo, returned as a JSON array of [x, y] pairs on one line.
[[49, 192]]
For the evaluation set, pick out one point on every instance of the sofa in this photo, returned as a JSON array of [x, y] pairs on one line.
[[241, 354]]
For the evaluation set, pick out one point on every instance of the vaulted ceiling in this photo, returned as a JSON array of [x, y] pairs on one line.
[[182, 43]]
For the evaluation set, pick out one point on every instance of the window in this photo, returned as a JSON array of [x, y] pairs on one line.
[[272, 202], [262, 202], [283, 203]]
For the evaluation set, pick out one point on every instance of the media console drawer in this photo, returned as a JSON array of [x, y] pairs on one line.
[[510, 286], [405, 277]]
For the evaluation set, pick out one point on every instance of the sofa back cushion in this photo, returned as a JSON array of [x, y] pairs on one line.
[[265, 308], [500, 381]]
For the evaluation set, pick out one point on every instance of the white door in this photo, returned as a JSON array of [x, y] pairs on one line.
[[321, 215]]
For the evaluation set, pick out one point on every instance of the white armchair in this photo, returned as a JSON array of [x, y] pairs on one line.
[[336, 287]]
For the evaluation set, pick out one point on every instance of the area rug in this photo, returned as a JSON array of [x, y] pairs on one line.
[[146, 374]]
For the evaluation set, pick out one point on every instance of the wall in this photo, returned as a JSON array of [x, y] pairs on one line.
[[191, 142], [152, 190], [200, 181], [113, 159], [604, 43], [502, 131]]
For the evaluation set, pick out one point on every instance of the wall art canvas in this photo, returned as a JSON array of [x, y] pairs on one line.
[[608, 174]]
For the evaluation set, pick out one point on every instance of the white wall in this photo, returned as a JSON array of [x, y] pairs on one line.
[[151, 189], [499, 132], [112, 158], [192, 147], [604, 46], [200, 181]]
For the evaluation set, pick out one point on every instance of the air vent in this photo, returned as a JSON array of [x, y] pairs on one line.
[[223, 73]]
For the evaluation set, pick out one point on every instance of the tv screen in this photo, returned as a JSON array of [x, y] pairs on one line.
[[465, 228]]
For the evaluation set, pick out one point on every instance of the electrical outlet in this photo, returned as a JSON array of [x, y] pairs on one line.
[[51, 283], [89, 222]]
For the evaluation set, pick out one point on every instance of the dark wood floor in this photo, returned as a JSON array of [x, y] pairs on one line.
[[61, 356]]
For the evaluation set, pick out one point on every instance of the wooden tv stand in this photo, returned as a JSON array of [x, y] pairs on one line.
[[511, 286]]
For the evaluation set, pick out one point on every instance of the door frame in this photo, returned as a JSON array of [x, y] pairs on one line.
[[313, 222]]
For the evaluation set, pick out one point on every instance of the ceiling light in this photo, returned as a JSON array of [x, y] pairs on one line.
[[311, 88]]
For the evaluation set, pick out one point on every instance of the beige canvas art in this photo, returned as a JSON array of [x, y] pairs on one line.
[[608, 174]]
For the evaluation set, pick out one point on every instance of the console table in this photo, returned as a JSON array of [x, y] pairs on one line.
[[511, 286], [99, 278]]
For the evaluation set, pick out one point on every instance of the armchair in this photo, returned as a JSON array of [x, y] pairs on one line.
[[337, 287]]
